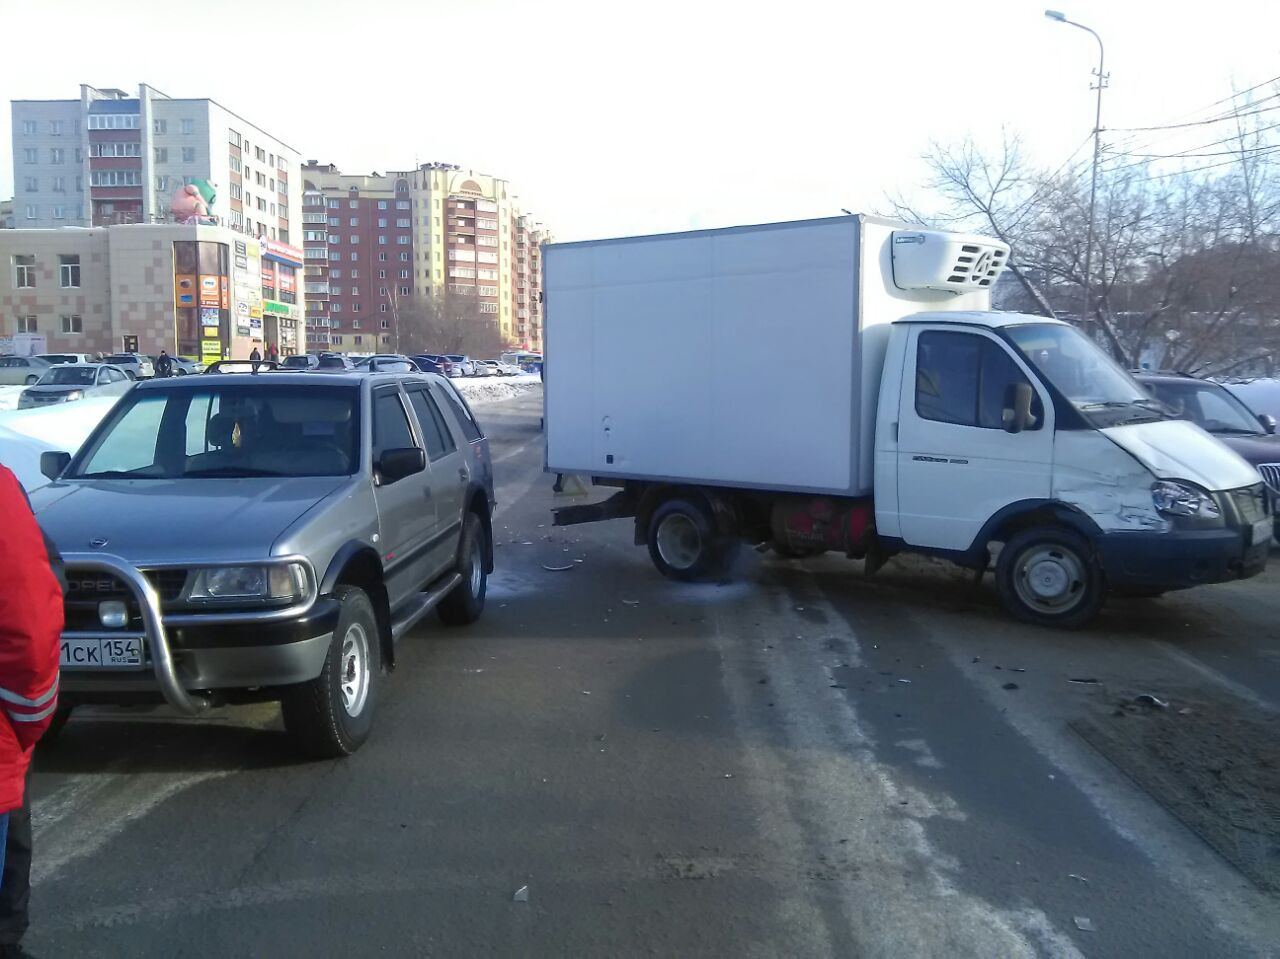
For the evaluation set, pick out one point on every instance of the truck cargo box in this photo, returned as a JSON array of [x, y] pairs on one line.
[[746, 357]]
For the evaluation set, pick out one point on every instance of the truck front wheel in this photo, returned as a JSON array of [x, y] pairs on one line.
[[684, 543], [331, 716], [1049, 577]]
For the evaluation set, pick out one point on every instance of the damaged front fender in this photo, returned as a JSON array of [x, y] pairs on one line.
[[1105, 482]]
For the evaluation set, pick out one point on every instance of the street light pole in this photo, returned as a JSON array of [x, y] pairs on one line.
[[1097, 153]]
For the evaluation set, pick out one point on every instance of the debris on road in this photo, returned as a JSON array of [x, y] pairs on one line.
[[905, 682], [556, 569], [1146, 699], [1089, 681], [631, 602], [1009, 686], [522, 895], [1072, 875], [1084, 924]]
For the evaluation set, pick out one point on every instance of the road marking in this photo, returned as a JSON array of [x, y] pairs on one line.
[[1211, 674]]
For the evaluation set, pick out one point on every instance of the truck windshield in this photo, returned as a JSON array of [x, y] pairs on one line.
[[233, 431], [1089, 379]]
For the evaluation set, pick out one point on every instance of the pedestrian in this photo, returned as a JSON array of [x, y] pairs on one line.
[[273, 354], [31, 595], [164, 365], [255, 358]]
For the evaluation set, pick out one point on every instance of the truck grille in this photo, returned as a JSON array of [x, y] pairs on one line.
[[85, 590], [1271, 475]]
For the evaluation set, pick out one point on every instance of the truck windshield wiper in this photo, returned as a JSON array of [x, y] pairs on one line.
[[115, 474], [232, 472]]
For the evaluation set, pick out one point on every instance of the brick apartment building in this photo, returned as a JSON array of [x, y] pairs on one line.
[[373, 243]]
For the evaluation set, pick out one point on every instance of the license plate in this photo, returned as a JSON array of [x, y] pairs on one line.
[[1263, 530], [101, 654]]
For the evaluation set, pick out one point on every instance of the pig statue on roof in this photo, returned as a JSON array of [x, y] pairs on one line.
[[191, 202]]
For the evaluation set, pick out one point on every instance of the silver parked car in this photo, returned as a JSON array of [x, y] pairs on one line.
[[324, 516], [137, 366], [67, 382], [22, 370]]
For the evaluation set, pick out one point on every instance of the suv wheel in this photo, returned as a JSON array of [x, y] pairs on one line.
[[331, 716], [465, 603]]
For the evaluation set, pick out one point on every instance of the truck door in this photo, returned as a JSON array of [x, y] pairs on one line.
[[448, 477], [406, 511], [957, 462]]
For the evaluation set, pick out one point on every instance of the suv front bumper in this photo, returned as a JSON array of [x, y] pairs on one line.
[[187, 656], [1180, 559]]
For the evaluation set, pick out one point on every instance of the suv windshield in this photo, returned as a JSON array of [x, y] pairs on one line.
[[1205, 404], [69, 376], [232, 430], [121, 358], [297, 362], [1090, 380]]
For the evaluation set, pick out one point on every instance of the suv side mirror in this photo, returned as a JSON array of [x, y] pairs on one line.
[[52, 463], [395, 465], [1016, 415], [1268, 422]]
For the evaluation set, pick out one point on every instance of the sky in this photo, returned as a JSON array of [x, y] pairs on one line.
[[615, 118]]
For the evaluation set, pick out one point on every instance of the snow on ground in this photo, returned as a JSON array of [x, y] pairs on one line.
[[9, 397], [491, 389], [25, 434]]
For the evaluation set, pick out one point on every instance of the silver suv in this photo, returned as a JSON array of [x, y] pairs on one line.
[[239, 537]]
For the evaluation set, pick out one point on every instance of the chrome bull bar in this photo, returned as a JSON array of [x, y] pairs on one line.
[[156, 638]]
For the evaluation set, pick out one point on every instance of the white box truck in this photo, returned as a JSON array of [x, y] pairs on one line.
[[842, 384]]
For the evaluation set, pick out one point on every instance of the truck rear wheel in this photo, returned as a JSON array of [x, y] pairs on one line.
[[331, 716], [1049, 577], [684, 543], [465, 603]]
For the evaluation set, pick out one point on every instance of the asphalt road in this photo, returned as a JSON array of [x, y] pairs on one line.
[[800, 762]]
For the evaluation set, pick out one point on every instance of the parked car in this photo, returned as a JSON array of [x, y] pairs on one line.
[[1219, 411], [186, 366], [59, 358], [446, 365], [301, 361], [499, 368], [242, 366], [335, 512], [135, 365], [428, 363], [1262, 395], [67, 382], [22, 370], [387, 363], [333, 362], [462, 365]]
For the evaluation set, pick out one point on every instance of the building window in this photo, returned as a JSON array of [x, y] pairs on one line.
[[353, 221], [335, 307], [404, 257], [382, 275], [382, 257], [115, 178], [188, 126], [233, 138], [382, 308], [488, 307], [404, 274], [487, 240], [29, 155], [260, 154], [113, 121], [161, 154], [188, 154], [79, 155], [236, 165], [382, 291], [405, 291], [334, 221], [337, 339], [402, 204], [27, 324], [403, 221], [355, 274], [353, 204], [59, 212], [237, 192], [353, 239], [382, 204], [382, 223], [29, 127], [355, 257], [402, 240], [69, 271], [382, 241], [159, 126], [355, 307], [31, 184], [487, 290], [24, 270], [335, 288], [335, 274], [116, 150], [334, 255], [72, 323], [334, 204]]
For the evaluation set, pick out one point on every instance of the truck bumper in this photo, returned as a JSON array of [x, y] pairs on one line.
[[1181, 558]]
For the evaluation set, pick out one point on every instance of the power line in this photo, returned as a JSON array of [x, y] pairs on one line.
[[1268, 151], [1192, 151], [1200, 123]]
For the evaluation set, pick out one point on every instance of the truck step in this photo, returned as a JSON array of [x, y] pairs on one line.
[[424, 603]]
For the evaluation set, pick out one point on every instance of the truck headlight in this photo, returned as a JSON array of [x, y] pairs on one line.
[[74, 395], [1174, 498], [282, 582]]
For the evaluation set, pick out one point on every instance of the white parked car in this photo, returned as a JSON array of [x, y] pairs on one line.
[[67, 382], [462, 365]]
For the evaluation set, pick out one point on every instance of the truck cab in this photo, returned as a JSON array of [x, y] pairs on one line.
[[1014, 437]]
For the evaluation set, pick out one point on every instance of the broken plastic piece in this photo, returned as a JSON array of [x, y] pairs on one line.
[[522, 895], [1084, 682], [556, 569], [1072, 875], [1146, 699], [1084, 924], [631, 602], [905, 682]]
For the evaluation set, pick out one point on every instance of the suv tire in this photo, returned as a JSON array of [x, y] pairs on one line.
[[331, 716], [684, 543], [1048, 576], [465, 602]]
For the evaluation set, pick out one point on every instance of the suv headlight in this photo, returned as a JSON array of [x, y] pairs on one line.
[[278, 583], [1174, 498], [74, 395]]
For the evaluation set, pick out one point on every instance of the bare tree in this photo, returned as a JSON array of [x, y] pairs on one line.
[[445, 323]]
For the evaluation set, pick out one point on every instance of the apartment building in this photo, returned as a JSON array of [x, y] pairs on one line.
[[6, 214], [375, 242], [205, 291], [114, 156]]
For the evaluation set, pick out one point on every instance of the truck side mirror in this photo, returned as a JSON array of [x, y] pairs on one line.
[[53, 462], [1268, 422], [395, 465], [1017, 411]]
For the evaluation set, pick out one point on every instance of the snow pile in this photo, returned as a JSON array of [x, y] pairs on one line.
[[491, 389], [25, 434], [9, 397]]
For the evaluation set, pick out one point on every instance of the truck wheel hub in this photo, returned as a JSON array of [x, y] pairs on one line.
[[1050, 578], [679, 543], [353, 677]]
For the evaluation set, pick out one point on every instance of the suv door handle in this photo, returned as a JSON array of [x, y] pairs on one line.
[[462, 474]]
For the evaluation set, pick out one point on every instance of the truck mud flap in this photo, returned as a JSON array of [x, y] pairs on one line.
[[618, 506]]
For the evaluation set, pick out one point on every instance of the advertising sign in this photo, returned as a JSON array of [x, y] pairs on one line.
[[209, 316], [184, 290], [210, 351], [210, 291]]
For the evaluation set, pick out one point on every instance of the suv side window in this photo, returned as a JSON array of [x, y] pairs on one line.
[[390, 424], [966, 379], [434, 429], [470, 428]]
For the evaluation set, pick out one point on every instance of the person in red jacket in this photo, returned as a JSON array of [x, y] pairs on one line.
[[30, 632]]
